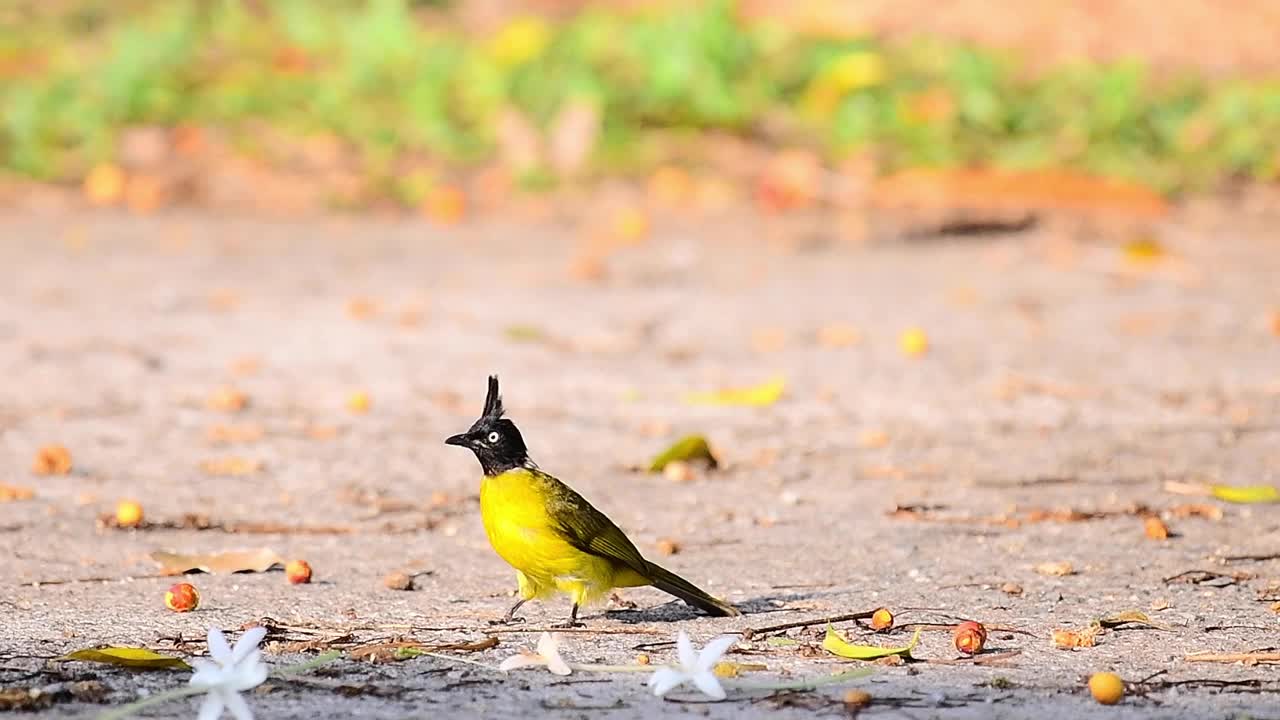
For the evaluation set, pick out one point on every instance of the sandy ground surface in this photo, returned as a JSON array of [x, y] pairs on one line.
[[1058, 377]]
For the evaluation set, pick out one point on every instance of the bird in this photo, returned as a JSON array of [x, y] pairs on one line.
[[557, 542]]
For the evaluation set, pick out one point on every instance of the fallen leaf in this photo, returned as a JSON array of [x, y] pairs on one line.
[[730, 669], [768, 339], [52, 460], [524, 333], [230, 467], [10, 493], [1246, 494], [686, 449], [1204, 510], [761, 395], [234, 561], [1010, 588], [1058, 569], [228, 400], [233, 434], [1144, 251], [1129, 617], [873, 439], [398, 581], [1072, 639], [837, 645], [130, 657], [838, 336]]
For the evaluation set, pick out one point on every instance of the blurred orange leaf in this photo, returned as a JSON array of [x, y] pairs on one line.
[[10, 493], [230, 467], [52, 460]]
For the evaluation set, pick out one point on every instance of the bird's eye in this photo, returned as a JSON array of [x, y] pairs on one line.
[[493, 437]]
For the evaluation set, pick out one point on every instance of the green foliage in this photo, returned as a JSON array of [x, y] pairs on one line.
[[394, 77]]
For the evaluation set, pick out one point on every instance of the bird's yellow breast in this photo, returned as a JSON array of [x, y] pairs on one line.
[[513, 506]]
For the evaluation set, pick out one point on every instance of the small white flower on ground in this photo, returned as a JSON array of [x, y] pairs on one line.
[[230, 673], [697, 668], [548, 654]]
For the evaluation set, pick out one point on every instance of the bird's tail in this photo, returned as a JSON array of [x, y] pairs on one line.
[[669, 582]]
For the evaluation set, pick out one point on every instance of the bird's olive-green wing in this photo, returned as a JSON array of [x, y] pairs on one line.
[[590, 530]]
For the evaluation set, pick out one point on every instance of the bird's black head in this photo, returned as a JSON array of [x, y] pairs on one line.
[[493, 438]]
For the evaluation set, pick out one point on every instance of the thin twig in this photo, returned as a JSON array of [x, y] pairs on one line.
[[1249, 657], [752, 632]]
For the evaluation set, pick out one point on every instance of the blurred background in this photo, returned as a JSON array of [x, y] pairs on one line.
[[453, 109]]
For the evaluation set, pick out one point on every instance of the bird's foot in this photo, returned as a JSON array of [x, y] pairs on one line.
[[508, 620]]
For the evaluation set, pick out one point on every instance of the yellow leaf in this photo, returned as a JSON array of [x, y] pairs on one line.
[[755, 396], [690, 447], [1129, 617], [1246, 493], [130, 657], [837, 645]]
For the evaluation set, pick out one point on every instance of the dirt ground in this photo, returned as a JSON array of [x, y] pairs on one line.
[[1059, 376]]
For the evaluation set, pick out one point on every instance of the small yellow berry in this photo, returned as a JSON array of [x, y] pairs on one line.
[[913, 342], [298, 572], [1107, 688], [128, 514]]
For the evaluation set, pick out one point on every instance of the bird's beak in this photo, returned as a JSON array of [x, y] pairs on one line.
[[459, 440]]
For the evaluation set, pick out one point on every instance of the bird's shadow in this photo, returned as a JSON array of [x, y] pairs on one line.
[[677, 611]]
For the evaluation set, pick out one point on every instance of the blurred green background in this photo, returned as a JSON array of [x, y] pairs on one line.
[[394, 96]]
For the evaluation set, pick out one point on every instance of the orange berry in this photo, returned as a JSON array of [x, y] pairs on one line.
[[298, 572], [128, 514], [182, 597], [881, 619], [970, 637], [1107, 688]]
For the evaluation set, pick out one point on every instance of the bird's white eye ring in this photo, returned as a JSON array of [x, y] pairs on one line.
[[493, 437]]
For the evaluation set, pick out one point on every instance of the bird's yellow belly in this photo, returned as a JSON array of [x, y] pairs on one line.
[[522, 532]]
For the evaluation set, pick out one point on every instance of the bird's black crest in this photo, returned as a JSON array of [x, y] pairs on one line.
[[493, 401]]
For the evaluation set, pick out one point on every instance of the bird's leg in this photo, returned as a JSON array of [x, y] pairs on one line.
[[573, 619], [510, 617]]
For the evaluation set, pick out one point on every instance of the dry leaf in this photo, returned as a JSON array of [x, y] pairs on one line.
[[769, 339], [10, 493], [130, 657], [838, 336], [230, 467], [232, 434], [234, 561], [686, 449], [1010, 588], [227, 399], [1058, 569], [873, 439], [52, 460], [1129, 617], [1188, 510], [1071, 639]]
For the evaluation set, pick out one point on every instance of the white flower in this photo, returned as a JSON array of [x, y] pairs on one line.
[[230, 673], [696, 668], [548, 654]]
